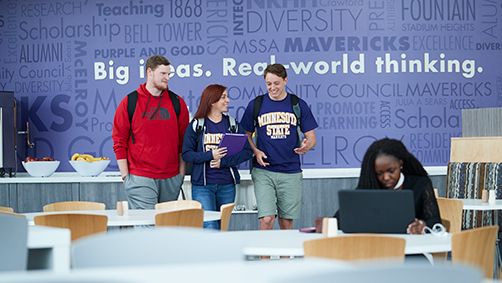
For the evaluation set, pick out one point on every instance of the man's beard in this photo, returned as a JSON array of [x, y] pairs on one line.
[[160, 86]]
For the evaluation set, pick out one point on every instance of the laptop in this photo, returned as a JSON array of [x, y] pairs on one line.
[[376, 211]]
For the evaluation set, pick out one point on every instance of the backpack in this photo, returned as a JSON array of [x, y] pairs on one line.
[[132, 99], [201, 123], [295, 102]]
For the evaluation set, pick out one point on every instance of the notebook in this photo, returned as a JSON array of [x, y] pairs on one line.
[[376, 211], [233, 142]]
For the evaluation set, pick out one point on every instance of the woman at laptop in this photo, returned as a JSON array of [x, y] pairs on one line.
[[387, 165], [214, 174]]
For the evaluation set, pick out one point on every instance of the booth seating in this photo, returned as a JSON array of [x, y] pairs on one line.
[[466, 180], [475, 165]]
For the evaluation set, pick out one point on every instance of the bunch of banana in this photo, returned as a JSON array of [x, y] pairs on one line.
[[87, 157]]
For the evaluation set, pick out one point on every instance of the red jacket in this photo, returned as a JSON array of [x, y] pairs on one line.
[[158, 139]]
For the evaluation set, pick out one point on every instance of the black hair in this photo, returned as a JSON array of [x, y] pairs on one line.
[[387, 147]]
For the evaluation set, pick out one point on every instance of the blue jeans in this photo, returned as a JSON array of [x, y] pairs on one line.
[[212, 197]]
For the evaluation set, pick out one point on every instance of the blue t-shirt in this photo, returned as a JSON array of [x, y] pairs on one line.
[[277, 133], [212, 138]]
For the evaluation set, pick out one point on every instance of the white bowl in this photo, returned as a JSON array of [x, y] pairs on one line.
[[89, 169], [40, 168]]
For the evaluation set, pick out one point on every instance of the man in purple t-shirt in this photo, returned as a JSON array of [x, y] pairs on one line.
[[276, 172]]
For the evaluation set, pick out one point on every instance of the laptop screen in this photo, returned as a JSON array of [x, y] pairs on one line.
[[376, 211]]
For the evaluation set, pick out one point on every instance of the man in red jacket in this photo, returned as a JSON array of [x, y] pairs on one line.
[[148, 148]]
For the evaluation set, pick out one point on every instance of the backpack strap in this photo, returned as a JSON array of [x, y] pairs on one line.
[[176, 103], [295, 102], [198, 127], [132, 99], [232, 123], [256, 111]]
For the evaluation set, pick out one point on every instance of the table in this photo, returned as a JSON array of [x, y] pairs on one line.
[[135, 217], [290, 242], [217, 272], [49, 248]]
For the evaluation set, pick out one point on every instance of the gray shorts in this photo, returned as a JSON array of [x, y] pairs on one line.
[[277, 193], [145, 193]]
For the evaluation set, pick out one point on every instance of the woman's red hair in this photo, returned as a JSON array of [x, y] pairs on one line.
[[210, 95]]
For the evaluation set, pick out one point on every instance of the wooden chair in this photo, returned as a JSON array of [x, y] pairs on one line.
[[74, 205], [226, 213], [476, 247], [13, 242], [451, 214], [357, 247], [193, 217], [178, 204], [6, 209], [451, 218], [80, 225]]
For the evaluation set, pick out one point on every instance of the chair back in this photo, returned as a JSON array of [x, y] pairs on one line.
[[13, 242], [193, 217], [475, 247], [178, 204], [80, 225], [451, 213], [357, 247], [163, 245], [226, 213], [6, 209], [74, 205]]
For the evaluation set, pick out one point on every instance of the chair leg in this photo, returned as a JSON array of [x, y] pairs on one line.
[[429, 257], [498, 261]]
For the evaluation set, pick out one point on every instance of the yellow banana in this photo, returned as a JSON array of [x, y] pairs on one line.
[[87, 157]]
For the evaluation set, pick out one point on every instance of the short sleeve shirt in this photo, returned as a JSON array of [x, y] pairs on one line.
[[277, 132]]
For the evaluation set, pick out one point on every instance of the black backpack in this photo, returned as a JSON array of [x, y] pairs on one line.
[[132, 99]]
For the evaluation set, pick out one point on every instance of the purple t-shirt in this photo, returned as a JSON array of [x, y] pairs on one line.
[[277, 133], [212, 138]]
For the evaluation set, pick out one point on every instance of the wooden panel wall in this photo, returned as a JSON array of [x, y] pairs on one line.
[[476, 149]]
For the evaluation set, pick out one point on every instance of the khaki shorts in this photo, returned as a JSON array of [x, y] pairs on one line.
[[277, 193]]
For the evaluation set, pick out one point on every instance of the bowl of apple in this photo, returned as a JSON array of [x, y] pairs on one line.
[[44, 167]]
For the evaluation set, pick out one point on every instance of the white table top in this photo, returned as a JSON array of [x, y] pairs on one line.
[[477, 204], [290, 242], [134, 217], [217, 272]]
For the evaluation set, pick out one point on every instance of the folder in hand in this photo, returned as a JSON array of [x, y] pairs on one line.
[[233, 142]]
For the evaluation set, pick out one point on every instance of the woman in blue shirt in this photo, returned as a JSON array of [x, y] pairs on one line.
[[214, 175]]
